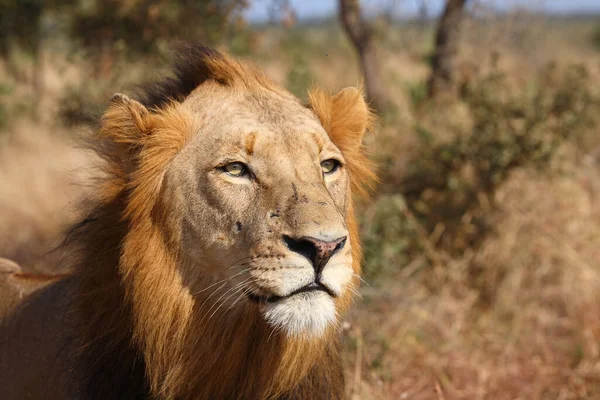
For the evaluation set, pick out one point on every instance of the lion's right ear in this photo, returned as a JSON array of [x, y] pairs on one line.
[[125, 124]]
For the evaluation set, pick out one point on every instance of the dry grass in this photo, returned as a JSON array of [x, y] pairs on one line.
[[42, 175], [529, 327], [516, 318]]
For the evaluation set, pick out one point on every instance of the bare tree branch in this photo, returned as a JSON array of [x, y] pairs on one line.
[[361, 36], [443, 72]]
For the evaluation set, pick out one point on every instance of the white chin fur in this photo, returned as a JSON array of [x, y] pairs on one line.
[[304, 314]]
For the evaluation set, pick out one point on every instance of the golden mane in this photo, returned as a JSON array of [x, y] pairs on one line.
[[132, 314]]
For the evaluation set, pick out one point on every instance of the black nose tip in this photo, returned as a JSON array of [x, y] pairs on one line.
[[317, 251]]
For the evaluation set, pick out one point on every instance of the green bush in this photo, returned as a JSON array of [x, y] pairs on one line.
[[13, 107], [596, 37], [4, 91], [418, 93], [387, 237], [83, 105]]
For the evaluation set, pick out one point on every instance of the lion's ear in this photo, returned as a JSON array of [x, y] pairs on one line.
[[345, 116], [125, 124]]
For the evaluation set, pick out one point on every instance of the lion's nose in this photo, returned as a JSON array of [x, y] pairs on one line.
[[317, 251]]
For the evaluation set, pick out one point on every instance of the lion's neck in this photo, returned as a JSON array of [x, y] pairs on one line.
[[232, 355]]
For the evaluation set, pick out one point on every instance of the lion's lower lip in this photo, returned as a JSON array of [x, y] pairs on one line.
[[311, 287]]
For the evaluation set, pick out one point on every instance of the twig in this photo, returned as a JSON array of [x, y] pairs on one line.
[[358, 365]]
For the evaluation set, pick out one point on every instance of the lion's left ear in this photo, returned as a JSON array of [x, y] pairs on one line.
[[345, 116]]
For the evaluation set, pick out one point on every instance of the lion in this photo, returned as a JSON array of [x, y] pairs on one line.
[[221, 255]]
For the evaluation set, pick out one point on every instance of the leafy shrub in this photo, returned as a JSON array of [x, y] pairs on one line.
[[83, 105], [451, 184], [386, 235], [596, 37], [4, 91], [442, 203], [83, 101], [417, 92], [242, 43], [13, 106]]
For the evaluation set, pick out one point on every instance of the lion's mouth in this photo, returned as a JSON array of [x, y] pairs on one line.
[[311, 287]]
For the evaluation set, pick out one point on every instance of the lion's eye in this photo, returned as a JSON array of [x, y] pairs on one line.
[[330, 166], [236, 169]]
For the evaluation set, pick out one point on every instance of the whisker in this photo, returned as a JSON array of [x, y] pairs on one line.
[[361, 278], [222, 280], [234, 287], [217, 301], [241, 265], [225, 300], [241, 262], [212, 294], [241, 296], [210, 286], [275, 328], [355, 291]]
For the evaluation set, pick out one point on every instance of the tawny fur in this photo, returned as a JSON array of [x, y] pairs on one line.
[[132, 327]]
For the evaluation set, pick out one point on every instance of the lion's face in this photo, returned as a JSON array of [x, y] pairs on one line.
[[259, 197]]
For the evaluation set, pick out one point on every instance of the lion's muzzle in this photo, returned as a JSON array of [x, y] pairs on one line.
[[317, 251]]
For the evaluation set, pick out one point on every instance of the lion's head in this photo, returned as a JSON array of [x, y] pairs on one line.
[[235, 227], [253, 191], [260, 197]]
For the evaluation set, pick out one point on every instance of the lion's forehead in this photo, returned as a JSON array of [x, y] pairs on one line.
[[279, 138], [299, 139], [227, 114]]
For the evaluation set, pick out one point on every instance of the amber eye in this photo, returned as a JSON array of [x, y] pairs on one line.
[[236, 169], [330, 166]]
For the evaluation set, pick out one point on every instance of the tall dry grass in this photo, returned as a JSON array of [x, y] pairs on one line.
[[527, 327], [42, 175]]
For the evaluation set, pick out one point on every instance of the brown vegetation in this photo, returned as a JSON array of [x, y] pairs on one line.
[[42, 177]]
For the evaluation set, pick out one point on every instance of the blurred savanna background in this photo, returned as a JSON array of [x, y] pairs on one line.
[[482, 261]]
